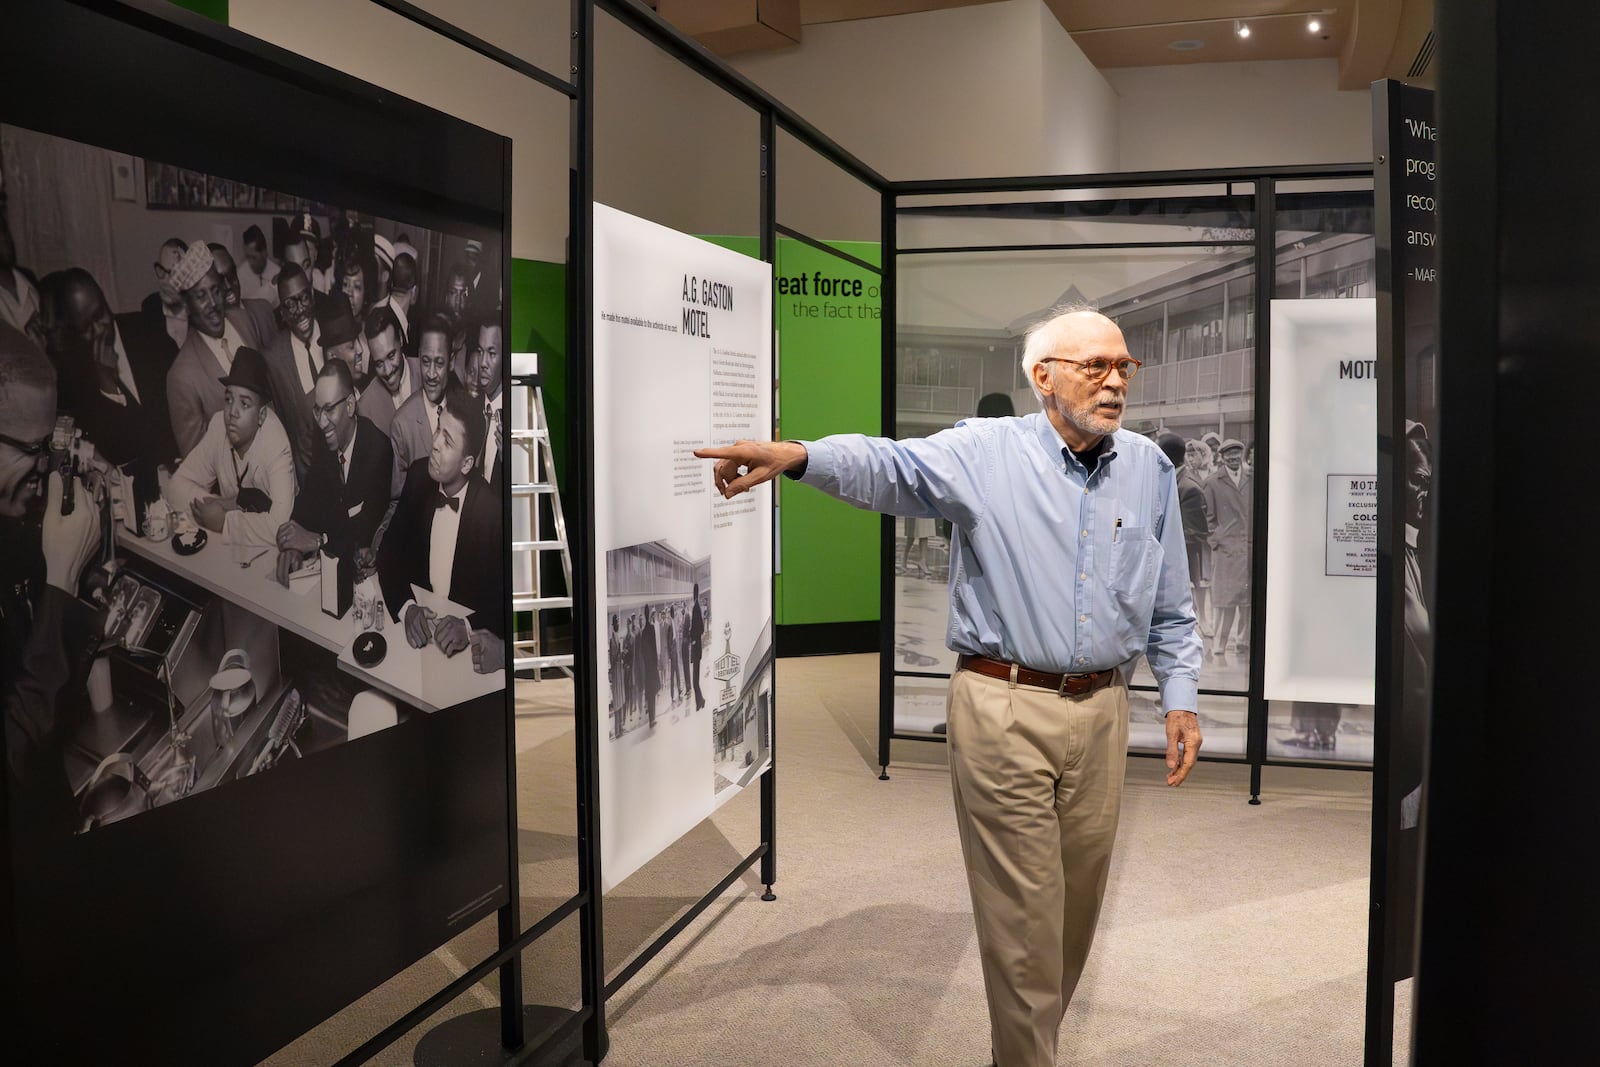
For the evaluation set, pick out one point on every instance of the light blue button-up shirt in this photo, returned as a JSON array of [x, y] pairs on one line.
[[1052, 566]]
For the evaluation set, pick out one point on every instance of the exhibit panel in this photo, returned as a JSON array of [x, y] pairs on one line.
[[683, 360], [1405, 141], [1322, 557], [256, 739], [1324, 252]]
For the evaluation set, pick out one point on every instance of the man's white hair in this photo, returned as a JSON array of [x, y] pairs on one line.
[[1044, 337]]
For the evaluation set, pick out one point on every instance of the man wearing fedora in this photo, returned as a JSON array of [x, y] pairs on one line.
[[216, 332], [239, 480]]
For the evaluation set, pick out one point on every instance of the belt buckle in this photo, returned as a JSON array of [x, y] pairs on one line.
[[1061, 690]]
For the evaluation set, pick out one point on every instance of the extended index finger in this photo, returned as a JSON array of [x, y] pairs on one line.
[[720, 452]]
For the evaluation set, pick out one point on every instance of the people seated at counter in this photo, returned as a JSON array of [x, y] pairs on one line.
[[394, 375], [216, 332], [417, 419], [238, 481], [346, 495], [445, 517]]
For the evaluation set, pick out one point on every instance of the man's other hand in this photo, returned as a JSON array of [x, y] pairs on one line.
[[742, 466], [1183, 728]]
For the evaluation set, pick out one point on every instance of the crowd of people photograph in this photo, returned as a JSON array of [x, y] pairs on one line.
[[321, 385]]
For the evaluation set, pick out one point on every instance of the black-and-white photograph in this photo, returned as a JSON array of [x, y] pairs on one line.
[[1193, 327], [255, 478], [658, 628], [741, 725]]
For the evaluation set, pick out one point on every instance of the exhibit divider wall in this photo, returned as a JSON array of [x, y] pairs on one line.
[[292, 805], [1183, 262]]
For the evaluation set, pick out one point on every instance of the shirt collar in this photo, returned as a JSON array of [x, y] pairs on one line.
[[1053, 444]]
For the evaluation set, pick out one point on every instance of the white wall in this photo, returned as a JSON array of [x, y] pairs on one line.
[[377, 46], [1239, 114], [959, 93]]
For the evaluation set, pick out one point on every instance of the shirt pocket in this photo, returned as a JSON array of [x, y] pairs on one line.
[[1135, 566]]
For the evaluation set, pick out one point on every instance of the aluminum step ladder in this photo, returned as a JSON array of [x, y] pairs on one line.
[[533, 531]]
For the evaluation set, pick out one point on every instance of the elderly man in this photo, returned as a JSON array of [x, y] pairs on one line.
[[1228, 497], [346, 494], [394, 376], [194, 386], [1067, 563], [417, 419], [239, 480], [444, 523]]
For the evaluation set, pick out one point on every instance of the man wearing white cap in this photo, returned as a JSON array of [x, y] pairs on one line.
[[402, 294], [383, 256], [474, 255], [1228, 498], [165, 306], [216, 332]]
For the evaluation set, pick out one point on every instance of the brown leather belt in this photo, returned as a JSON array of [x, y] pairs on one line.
[[1067, 685]]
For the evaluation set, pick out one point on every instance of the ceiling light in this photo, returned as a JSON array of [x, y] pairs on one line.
[[1315, 25], [1190, 44], [1242, 29]]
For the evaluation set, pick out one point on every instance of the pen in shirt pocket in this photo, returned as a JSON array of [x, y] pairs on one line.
[[1116, 530]]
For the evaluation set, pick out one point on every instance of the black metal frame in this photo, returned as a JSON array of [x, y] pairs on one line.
[[1264, 182]]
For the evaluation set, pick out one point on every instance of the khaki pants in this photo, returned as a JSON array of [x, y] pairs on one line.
[[1038, 786]]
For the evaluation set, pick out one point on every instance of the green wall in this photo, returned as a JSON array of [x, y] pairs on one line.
[[538, 297], [214, 9], [829, 381]]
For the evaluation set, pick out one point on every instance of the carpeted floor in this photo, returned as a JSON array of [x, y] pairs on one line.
[[1231, 934]]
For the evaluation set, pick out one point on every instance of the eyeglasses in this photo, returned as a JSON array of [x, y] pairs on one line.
[[1097, 370], [324, 412], [38, 451]]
